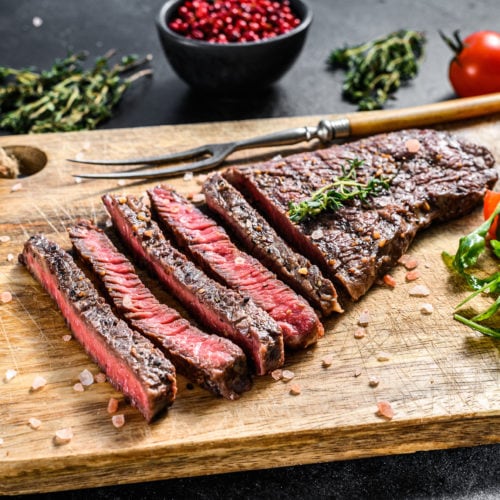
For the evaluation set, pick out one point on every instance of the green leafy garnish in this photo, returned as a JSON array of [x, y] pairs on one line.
[[376, 69], [65, 97], [334, 195], [470, 248]]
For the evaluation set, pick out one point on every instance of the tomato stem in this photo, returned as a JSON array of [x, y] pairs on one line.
[[456, 45]]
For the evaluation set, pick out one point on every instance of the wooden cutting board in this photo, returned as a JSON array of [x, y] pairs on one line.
[[441, 378]]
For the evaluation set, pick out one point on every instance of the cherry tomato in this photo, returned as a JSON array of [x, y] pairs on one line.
[[475, 69], [490, 202]]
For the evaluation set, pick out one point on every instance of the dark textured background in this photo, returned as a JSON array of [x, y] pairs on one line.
[[308, 89]]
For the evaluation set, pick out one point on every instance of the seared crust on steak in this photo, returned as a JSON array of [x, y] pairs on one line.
[[209, 360], [435, 177], [222, 310], [131, 362], [263, 242], [209, 246]]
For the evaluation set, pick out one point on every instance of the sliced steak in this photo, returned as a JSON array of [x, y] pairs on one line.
[[131, 362], [210, 247], [209, 360], [262, 241], [222, 310], [435, 177]]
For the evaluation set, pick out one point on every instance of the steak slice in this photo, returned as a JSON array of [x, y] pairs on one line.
[[210, 247], [131, 362], [220, 309], [435, 177], [209, 360], [262, 241]]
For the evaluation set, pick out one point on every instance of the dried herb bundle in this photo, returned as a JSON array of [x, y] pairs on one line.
[[66, 97], [376, 69]]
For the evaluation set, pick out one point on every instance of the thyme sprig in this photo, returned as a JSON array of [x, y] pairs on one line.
[[334, 195], [66, 96], [376, 69]]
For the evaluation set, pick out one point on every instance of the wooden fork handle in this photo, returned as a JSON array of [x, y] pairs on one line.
[[372, 122]]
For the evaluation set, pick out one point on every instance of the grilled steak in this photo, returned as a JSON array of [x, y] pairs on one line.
[[220, 309], [209, 360], [435, 177], [131, 362], [262, 241], [210, 247]]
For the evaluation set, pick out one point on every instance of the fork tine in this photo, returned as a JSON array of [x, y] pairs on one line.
[[196, 166], [151, 160]]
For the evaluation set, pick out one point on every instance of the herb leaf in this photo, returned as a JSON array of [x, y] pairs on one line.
[[376, 69], [334, 195], [66, 96]]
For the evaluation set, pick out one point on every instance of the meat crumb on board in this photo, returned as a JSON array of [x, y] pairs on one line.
[[295, 389], [118, 420], [112, 405], [412, 275], [100, 378], [327, 361], [373, 381]]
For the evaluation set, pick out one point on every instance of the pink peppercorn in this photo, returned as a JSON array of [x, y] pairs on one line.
[[222, 21]]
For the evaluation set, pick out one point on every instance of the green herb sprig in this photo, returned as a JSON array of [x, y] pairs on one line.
[[334, 195], [66, 97], [376, 69], [470, 248]]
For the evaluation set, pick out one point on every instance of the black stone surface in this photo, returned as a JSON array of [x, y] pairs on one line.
[[308, 89]]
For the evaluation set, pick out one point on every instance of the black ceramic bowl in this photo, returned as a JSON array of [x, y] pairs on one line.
[[232, 67]]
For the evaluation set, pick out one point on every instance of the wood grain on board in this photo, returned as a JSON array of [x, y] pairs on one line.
[[441, 378]]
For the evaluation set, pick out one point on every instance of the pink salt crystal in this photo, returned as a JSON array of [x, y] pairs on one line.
[[78, 387], [277, 374], [327, 361], [364, 318], [287, 375], [118, 420], [38, 383], [419, 291], [360, 333], [112, 405], [295, 389], [5, 297], [411, 264], [86, 378], [4, 238], [100, 378], [426, 308], [67, 338], [412, 145], [34, 423], [385, 410], [63, 436], [16, 187]]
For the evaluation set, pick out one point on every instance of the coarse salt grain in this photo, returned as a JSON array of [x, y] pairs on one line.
[[34, 423], [67, 338], [200, 179], [419, 291], [118, 420], [373, 381], [63, 436], [188, 176], [295, 389], [277, 374], [317, 234], [411, 264], [360, 333], [364, 318], [112, 405], [121, 182], [10, 257], [239, 261], [385, 410], [327, 361], [100, 378], [37, 21], [287, 375], [127, 301], [78, 387], [4, 238], [412, 145], [198, 198], [5, 297], [38, 383], [16, 187], [412, 275], [77, 180], [357, 372], [426, 308], [1, 441], [389, 280], [9, 374], [86, 377]]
